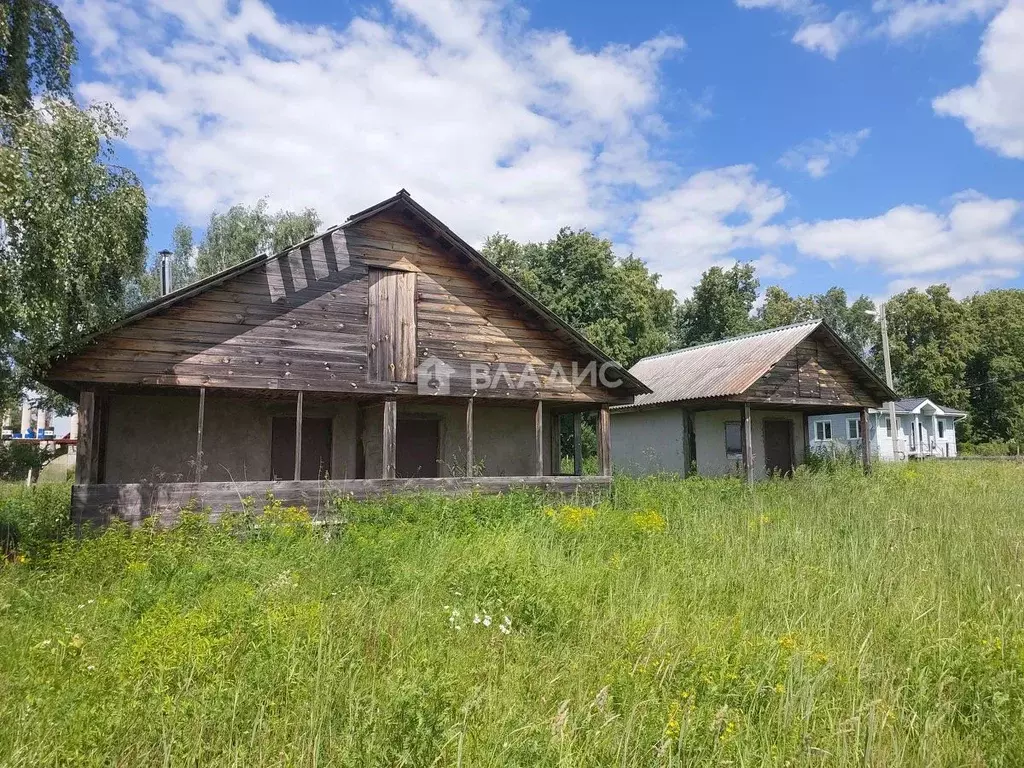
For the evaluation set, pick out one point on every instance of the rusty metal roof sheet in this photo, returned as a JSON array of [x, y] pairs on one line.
[[718, 369]]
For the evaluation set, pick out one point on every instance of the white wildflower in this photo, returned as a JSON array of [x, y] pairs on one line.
[[487, 621]]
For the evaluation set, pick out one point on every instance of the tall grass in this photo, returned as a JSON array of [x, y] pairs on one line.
[[835, 620]]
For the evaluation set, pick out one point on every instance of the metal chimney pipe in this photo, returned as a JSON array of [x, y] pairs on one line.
[[166, 272]]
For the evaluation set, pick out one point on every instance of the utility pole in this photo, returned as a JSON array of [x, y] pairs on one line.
[[893, 426]]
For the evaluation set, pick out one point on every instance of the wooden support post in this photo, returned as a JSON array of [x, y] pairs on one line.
[[748, 445], [538, 426], [865, 441], [604, 441], [390, 442], [555, 444], [87, 457], [577, 444], [469, 437], [199, 434], [298, 436]]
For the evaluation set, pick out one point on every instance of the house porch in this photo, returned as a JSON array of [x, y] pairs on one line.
[[145, 452]]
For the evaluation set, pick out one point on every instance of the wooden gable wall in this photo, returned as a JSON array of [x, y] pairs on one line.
[[816, 372], [301, 322]]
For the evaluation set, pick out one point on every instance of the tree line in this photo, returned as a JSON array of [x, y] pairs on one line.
[[73, 230]]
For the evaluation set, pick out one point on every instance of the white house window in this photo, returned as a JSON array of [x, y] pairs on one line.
[[853, 429], [733, 441], [888, 426], [822, 430], [942, 429]]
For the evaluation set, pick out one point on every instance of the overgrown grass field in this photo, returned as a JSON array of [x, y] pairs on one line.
[[828, 620]]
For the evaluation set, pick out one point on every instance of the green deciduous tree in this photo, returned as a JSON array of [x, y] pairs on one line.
[[74, 228], [930, 338], [720, 306], [617, 303], [995, 369], [246, 231], [849, 319], [37, 51]]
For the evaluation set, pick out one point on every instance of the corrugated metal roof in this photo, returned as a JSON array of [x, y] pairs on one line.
[[717, 369]]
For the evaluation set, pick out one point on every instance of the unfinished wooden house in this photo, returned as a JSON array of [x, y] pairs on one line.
[[382, 355], [740, 406]]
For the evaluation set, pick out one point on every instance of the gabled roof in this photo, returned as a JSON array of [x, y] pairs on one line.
[[548, 318], [913, 405], [730, 367]]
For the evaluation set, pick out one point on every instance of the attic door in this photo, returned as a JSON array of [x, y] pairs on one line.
[[392, 325]]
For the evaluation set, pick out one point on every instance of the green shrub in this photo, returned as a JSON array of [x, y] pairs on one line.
[[991, 448], [17, 458], [33, 519]]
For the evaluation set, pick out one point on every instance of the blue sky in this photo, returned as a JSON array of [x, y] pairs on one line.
[[875, 145]]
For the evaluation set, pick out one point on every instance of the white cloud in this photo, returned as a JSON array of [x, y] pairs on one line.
[[976, 233], [819, 31], [898, 20], [704, 220], [960, 285], [489, 123], [816, 157], [906, 18], [993, 108], [829, 37]]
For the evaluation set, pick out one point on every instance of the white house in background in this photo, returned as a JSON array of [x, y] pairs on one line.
[[923, 429]]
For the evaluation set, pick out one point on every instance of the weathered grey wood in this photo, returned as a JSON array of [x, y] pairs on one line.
[[538, 442], [577, 444], [865, 442], [86, 459], [604, 441], [748, 445], [301, 322], [199, 434], [298, 437], [100, 504], [469, 437], [392, 325], [389, 442]]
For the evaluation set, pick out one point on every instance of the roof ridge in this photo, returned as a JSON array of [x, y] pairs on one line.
[[750, 335]]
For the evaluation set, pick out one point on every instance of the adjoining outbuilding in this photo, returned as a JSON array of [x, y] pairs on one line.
[[383, 354], [740, 406]]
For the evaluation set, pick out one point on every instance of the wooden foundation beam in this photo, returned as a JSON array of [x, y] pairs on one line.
[[577, 444], [604, 442], [538, 448], [469, 437], [748, 446], [389, 443], [865, 441], [298, 436]]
